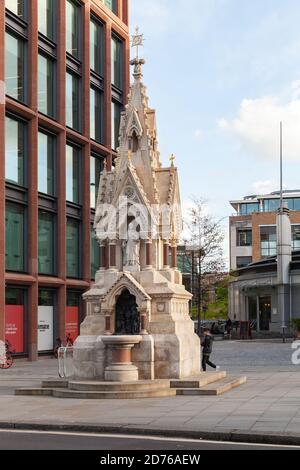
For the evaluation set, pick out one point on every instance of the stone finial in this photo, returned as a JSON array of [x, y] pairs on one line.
[[137, 40], [172, 159]]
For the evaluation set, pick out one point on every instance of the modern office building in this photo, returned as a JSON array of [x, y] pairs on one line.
[[64, 75], [252, 228]]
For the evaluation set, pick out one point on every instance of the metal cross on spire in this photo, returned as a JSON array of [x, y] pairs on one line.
[[136, 41]]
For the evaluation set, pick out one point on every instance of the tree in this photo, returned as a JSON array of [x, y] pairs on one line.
[[204, 242]]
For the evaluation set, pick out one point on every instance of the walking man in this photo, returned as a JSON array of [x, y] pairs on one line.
[[206, 344]]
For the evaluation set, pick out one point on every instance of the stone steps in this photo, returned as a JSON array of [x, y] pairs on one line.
[[214, 389], [205, 378], [140, 386]]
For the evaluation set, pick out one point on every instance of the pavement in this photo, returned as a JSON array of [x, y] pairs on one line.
[[266, 409]]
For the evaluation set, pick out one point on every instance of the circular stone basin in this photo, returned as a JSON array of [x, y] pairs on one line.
[[121, 368]]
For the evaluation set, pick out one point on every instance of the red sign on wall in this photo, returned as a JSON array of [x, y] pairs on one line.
[[14, 327], [72, 320]]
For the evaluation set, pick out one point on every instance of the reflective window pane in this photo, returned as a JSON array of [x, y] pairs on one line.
[[115, 125], [72, 28], [96, 166], [112, 5], [46, 12], [96, 47], [72, 102], [73, 263], [15, 6], [45, 164], [45, 85], [95, 254], [116, 62], [72, 174], [14, 220], [46, 243], [14, 67], [96, 115], [14, 151], [268, 241]]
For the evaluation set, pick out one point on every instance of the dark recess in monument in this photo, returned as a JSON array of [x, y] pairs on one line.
[[127, 315]]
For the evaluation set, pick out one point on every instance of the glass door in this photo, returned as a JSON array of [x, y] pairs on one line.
[[264, 313]]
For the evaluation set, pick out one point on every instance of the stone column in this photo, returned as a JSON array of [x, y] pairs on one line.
[[143, 316], [149, 254], [108, 324], [112, 255], [103, 253], [166, 254], [174, 255]]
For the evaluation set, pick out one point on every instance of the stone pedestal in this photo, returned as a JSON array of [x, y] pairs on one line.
[[121, 368]]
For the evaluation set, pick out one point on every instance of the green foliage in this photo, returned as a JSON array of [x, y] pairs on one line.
[[217, 310], [296, 323]]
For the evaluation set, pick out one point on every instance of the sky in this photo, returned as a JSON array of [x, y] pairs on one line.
[[222, 74]]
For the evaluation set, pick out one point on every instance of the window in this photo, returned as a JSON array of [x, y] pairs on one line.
[[46, 85], [271, 205], [112, 5], [72, 174], [14, 67], [73, 262], [14, 151], [244, 237], [46, 243], [46, 12], [247, 209], [243, 261], [72, 28], [96, 110], [72, 102], [268, 241], [14, 220], [16, 7], [95, 254], [45, 164], [96, 166], [296, 237], [116, 118], [96, 47], [117, 62]]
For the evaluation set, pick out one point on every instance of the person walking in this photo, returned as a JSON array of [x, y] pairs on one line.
[[206, 344], [228, 327]]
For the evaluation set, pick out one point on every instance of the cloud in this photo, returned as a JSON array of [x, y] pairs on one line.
[[199, 135], [264, 187], [257, 126]]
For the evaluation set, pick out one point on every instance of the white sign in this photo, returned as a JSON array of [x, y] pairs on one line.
[[2, 352], [45, 328]]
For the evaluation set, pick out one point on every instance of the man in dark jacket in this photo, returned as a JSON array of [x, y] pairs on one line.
[[206, 344]]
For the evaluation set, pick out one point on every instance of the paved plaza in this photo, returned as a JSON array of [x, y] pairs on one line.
[[269, 403]]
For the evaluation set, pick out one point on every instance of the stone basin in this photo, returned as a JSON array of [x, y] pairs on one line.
[[121, 368]]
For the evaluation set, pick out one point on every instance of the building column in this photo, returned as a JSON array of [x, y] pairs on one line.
[[149, 252], [174, 255], [2, 173], [103, 256], [112, 255], [166, 254]]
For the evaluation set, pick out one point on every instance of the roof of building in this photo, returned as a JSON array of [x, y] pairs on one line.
[[268, 264], [256, 198]]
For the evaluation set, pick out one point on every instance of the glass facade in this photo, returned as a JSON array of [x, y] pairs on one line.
[[72, 174], [247, 209], [96, 47], [243, 261], [244, 237], [72, 101], [46, 12], [15, 6], [14, 151], [72, 28], [46, 164], [115, 125], [46, 85], [296, 237], [96, 114], [73, 236], [46, 243], [14, 67], [96, 166], [95, 254], [112, 5], [116, 62], [14, 224], [268, 241]]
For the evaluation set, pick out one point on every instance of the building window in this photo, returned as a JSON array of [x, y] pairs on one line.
[[268, 241], [46, 85], [95, 254], [46, 12], [244, 237], [115, 125], [46, 243], [72, 174], [112, 5], [72, 101], [73, 235], [14, 220], [296, 237], [15, 319], [46, 164], [14, 151], [96, 166], [243, 261], [117, 62], [72, 28], [271, 205], [96, 110], [247, 209], [16, 7], [14, 67], [96, 47]]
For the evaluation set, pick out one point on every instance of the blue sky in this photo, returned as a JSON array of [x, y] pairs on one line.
[[221, 75]]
